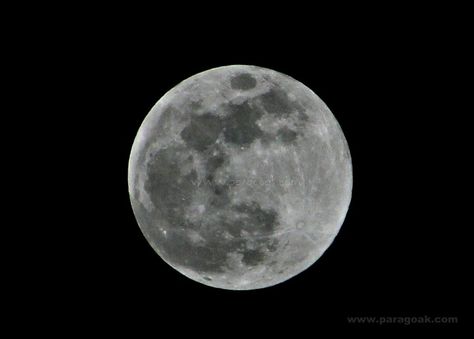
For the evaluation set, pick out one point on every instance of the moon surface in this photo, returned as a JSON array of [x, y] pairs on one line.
[[240, 177]]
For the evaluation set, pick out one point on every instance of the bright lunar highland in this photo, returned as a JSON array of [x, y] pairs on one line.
[[240, 177]]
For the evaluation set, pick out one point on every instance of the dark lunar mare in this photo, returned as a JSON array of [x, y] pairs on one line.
[[202, 131], [243, 81], [240, 124], [171, 194]]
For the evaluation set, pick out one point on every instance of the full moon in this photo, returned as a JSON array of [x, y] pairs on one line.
[[240, 177]]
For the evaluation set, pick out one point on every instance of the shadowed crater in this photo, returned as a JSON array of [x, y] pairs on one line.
[[243, 81]]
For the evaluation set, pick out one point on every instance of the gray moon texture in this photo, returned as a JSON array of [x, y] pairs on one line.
[[240, 177]]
